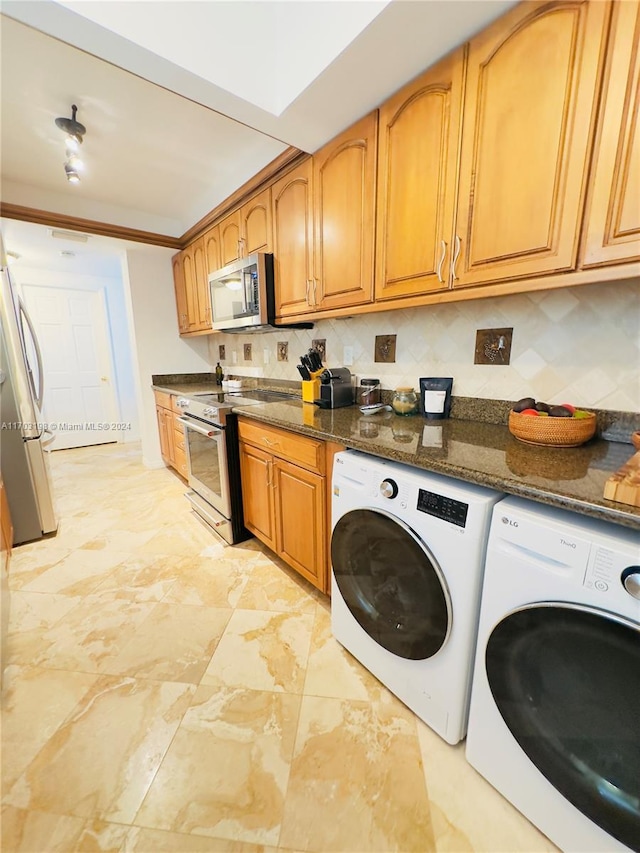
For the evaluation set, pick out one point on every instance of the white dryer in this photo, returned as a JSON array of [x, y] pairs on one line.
[[555, 706], [407, 552]]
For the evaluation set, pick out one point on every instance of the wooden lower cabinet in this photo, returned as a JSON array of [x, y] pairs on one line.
[[172, 440], [285, 495]]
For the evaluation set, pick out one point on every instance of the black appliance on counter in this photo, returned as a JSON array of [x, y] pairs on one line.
[[213, 457], [336, 389]]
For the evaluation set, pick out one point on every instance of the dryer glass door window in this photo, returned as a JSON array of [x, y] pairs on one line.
[[566, 680], [391, 583]]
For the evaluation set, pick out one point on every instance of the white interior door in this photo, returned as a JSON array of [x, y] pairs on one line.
[[80, 404]]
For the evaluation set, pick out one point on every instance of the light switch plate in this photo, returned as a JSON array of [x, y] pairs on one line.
[[347, 356]]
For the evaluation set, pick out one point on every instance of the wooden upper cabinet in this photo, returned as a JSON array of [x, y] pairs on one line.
[[212, 250], [417, 170], [292, 217], [181, 296], [230, 246], [202, 285], [531, 93], [612, 228], [190, 288], [255, 224], [344, 182]]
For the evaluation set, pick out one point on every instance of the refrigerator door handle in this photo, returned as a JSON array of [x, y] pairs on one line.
[[39, 392], [49, 440]]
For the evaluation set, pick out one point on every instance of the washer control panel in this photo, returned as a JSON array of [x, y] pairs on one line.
[[447, 509]]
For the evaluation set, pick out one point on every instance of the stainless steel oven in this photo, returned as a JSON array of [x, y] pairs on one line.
[[211, 441]]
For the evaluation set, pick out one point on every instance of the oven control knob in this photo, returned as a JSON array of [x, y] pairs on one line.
[[208, 411], [388, 489], [631, 580], [182, 403]]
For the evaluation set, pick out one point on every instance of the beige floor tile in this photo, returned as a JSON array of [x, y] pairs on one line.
[[79, 573], [186, 537], [100, 762], [272, 586], [332, 671], [174, 643], [216, 581], [468, 814], [35, 703], [143, 578], [142, 840], [38, 832], [262, 650], [28, 562], [31, 615], [94, 632], [99, 836], [356, 781], [118, 539], [226, 772]]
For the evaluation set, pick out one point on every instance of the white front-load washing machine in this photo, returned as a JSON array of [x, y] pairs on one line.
[[555, 705], [407, 553]]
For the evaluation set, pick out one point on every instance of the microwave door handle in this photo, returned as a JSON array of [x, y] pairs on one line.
[[246, 283]]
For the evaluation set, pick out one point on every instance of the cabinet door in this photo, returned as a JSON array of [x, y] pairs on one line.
[[230, 245], [256, 469], [301, 520], [344, 184], [292, 240], [163, 431], [417, 177], [190, 289], [613, 222], [255, 224], [202, 285], [532, 87], [180, 291], [212, 250]]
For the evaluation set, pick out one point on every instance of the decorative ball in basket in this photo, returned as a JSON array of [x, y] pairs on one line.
[[554, 426]]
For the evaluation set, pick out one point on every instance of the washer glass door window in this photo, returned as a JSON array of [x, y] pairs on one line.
[[566, 679], [391, 583]]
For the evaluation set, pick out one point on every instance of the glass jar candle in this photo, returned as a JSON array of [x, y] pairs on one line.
[[405, 401]]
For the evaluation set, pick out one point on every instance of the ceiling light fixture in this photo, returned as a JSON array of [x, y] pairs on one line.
[[68, 235], [12, 257], [75, 132]]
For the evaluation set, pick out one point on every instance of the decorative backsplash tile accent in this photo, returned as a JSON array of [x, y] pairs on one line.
[[578, 345]]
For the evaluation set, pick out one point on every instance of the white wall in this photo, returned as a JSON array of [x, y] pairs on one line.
[[118, 330], [156, 345]]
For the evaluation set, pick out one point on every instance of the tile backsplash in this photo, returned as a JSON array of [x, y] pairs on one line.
[[578, 345]]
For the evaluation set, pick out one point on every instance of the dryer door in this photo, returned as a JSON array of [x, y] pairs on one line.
[[391, 583], [566, 680]]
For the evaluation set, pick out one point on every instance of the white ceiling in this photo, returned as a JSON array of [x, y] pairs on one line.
[[184, 101]]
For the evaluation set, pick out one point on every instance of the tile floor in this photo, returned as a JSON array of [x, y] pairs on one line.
[[167, 693]]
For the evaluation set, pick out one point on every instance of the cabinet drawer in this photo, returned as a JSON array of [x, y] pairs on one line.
[[180, 462], [179, 440], [163, 399], [287, 445]]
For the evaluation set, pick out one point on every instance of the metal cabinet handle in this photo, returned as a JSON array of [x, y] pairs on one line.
[[269, 464], [456, 255], [309, 303], [271, 442], [315, 295], [442, 257]]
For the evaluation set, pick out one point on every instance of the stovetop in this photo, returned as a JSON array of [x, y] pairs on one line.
[[215, 407]]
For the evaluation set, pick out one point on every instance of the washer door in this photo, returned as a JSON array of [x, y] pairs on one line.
[[566, 680], [391, 583]]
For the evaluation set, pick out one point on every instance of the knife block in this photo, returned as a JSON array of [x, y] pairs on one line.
[[311, 388]]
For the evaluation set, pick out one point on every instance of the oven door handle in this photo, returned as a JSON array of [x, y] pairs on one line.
[[210, 433]]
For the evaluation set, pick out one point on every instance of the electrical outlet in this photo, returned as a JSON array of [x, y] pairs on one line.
[[347, 356], [266, 355], [493, 346], [234, 357]]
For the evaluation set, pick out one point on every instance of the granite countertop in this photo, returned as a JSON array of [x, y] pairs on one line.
[[471, 450]]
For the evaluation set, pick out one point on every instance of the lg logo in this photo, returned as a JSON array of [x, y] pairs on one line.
[[509, 521], [568, 544]]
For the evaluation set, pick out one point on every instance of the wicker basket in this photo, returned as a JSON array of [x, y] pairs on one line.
[[554, 432]]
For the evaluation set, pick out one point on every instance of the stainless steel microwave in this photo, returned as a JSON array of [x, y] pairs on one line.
[[243, 297]]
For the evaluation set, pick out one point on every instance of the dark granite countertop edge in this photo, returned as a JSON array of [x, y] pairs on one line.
[[605, 511]]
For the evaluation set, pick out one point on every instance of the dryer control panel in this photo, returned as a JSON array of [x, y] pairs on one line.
[[447, 509]]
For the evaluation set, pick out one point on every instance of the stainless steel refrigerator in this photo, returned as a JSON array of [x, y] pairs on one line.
[[23, 437]]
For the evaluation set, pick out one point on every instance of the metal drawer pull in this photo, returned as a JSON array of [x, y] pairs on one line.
[[271, 442], [442, 257], [456, 255]]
